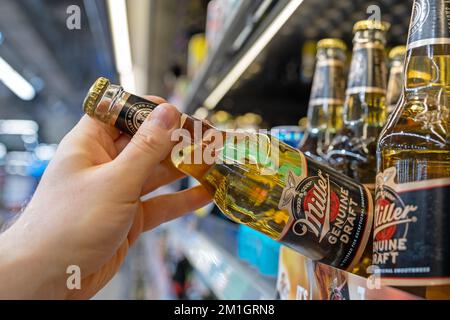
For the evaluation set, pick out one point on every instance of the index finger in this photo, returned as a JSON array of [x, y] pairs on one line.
[[155, 99], [88, 124]]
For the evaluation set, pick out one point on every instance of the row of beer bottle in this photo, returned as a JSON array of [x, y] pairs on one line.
[[343, 123], [399, 150], [321, 213]]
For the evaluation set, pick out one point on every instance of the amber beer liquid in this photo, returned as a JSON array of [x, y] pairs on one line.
[[299, 202], [326, 104], [412, 216]]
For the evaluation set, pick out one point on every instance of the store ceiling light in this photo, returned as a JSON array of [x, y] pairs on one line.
[[117, 10], [15, 82], [233, 75], [23, 127]]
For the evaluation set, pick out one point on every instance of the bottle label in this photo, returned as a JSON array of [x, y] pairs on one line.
[[134, 111], [330, 215], [411, 231], [429, 23], [329, 84], [368, 71]]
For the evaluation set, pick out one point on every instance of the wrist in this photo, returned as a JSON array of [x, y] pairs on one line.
[[26, 272]]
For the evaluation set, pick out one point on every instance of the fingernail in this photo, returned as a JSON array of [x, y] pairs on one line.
[[165, 116]]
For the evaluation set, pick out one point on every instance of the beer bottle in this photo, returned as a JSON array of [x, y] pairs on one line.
[[395, 82], [352, 151], [327, 98], [411, 231], [270, 186]]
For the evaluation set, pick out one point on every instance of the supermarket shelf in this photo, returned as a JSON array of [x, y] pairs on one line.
[[245, 36], [255, 77], [218, 54], [226, 276]]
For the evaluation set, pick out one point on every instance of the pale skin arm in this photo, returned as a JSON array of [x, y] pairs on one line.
[[87, 210]]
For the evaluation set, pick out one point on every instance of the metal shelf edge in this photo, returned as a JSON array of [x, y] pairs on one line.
[[226, 276], [201, 79]]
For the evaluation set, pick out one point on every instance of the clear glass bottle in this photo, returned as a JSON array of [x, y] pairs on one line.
[[396, 79], [352, 151], [326, 103], [411, 231]]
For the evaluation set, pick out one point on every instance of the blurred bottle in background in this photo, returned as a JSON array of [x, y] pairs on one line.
[[222, 120], [197, 51], [308, 58], [249, 121]]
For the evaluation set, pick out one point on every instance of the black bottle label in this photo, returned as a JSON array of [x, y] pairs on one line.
[[429, 23], [134, 111], [330, 215], [411, 231], [368, 70], [329, 84]]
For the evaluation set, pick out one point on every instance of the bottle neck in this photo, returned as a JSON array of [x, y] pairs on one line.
[[328, 87], [127, 112], [427, 66], [365, 109]]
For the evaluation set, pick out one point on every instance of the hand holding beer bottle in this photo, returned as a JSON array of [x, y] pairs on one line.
[[258, 181]]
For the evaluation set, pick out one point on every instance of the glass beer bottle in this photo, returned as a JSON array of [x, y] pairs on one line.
[[268, 186], [352, 151], [326, 103], [395, 82], [412, 216]]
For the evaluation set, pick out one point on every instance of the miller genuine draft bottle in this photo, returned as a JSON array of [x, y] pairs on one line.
[[412, 216], [395, 82], [353, 150], [268, 186], [326, 103]]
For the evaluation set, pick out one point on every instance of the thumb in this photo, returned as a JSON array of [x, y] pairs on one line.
[[152, 142]]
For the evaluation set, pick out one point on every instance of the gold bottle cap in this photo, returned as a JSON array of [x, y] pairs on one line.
[[371, 25], [94, 95], [398, 51], [332, 43]]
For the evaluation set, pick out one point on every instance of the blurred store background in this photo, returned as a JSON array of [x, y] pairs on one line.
[[239, 63]]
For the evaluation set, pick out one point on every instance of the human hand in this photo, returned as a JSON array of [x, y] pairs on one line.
[[87, 210]]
